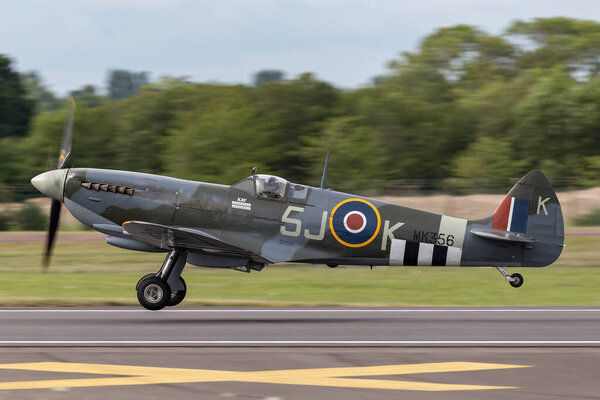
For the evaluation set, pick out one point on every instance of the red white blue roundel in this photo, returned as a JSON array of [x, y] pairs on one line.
[[354, 222]]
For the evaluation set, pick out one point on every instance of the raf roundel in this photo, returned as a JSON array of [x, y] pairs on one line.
[[354, 222]]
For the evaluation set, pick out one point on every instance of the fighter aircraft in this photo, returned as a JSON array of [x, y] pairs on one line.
[[264, 219]]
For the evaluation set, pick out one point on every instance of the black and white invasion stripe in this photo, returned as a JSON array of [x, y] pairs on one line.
[[403, 252]]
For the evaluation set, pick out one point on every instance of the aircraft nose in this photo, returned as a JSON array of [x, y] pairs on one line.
[[51, 183]]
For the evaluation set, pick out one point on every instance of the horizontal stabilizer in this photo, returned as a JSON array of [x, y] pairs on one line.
[[501, 235]]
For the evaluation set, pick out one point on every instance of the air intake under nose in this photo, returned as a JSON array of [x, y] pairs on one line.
[[51, 183]]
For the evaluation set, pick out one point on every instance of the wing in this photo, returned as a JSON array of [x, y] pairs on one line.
[[162, 236]]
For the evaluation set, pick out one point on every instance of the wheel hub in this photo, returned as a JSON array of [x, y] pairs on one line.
[[153, 293]]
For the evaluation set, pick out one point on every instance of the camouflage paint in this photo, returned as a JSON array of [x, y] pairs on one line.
[[299, 227]]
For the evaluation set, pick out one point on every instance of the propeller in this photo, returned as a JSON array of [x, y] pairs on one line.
[[63, 162]]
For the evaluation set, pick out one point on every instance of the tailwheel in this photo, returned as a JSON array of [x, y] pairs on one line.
[[153, 293], [516, 280], [177, 296]]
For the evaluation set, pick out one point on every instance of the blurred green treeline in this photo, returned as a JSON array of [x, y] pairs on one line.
[[465, 106]]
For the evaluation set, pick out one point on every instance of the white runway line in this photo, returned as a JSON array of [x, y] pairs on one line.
[[300, 342], [240, 310]]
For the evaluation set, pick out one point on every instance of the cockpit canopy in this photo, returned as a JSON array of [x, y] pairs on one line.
[[270, 187]]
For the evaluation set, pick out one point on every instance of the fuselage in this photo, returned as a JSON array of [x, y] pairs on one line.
[[305, 224]]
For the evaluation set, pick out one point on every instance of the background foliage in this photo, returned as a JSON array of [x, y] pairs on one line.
[[465, 106]]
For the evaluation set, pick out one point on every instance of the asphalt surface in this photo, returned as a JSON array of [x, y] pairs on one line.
[[296, 326], [300, 353]]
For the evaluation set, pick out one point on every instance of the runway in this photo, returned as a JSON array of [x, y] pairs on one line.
[[265, 353], [301, 327]]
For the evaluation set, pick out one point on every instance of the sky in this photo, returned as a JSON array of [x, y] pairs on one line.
[[347, 43]]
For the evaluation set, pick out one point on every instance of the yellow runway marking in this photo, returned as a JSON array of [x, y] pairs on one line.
[[331, 377]]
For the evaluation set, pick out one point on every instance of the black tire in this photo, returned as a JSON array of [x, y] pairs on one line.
[[333, 265], [178, 295], [517, 280], [137, 285], [154, 293]]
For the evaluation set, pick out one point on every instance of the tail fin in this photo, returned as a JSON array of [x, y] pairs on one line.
[[531, 210]]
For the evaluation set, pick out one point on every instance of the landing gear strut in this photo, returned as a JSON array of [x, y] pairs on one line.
[[166, 287], [515, 280]]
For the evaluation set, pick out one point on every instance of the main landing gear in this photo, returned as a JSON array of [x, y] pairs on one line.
[[166, 287], [515, 280]]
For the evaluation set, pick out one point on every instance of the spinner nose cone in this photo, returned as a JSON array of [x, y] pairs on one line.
[[51, 183]]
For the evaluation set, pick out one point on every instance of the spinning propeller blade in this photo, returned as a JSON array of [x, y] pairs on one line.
[[63, 162], [65, 146], [52, 228]]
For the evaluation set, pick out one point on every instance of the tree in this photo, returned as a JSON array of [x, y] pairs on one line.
[[462, 55], [288, 113], [356, 155], [123, 83], [44, 99], [418, 109], [9, 161], [15, 108], [572, 43], [216, 140], [484, 159], [419, 120], [144, 122], [87, 96], [543, 130], [268, 75]]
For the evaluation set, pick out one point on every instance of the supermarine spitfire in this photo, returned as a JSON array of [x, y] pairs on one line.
[[264, 219]]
